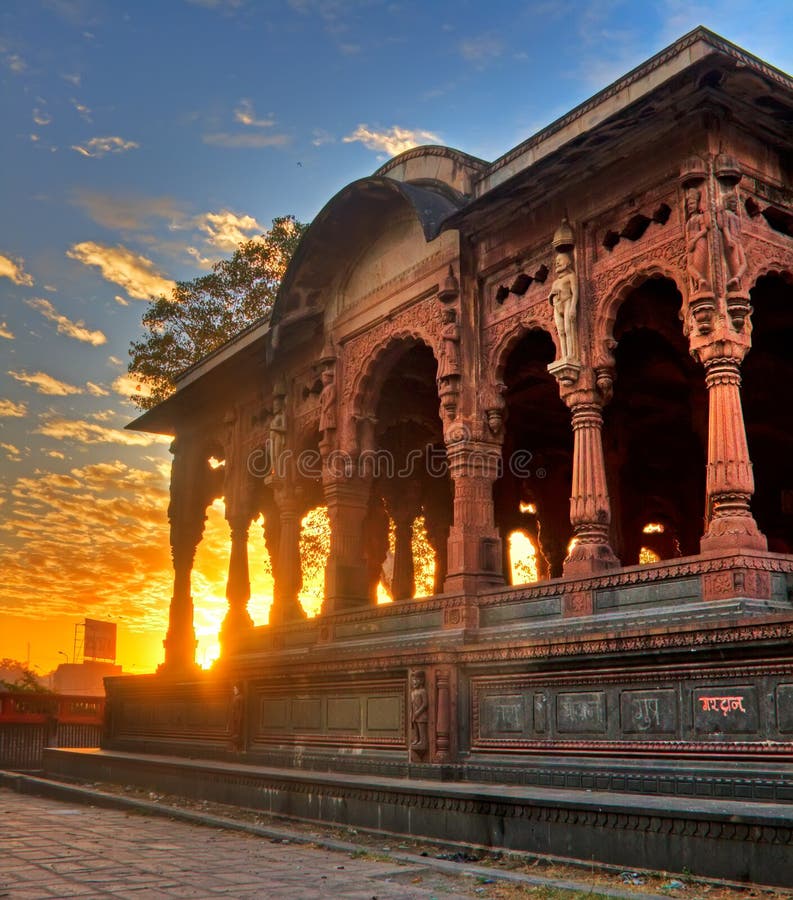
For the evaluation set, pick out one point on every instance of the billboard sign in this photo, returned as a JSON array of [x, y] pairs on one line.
[[100, 640]]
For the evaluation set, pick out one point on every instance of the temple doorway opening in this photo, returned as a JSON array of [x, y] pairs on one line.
[[767, 375], [655, 430], [532, 496], [410, 506]]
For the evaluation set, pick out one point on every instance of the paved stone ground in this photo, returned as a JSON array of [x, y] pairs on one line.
[[51, 849]]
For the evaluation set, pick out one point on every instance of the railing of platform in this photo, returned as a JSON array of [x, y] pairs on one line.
[[30, 722]]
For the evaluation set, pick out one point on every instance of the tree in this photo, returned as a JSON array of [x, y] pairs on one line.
[[202, 314], [17, 677]]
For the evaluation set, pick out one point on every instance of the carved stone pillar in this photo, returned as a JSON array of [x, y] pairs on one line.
[[238, 586], [375, 538], [590, 510], [346, 573], [404, 506], [192, 490], [288, 574], [730, 482], [474, 549], [719, 337]]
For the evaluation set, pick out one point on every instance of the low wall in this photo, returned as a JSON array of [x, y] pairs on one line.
[[30, 722]]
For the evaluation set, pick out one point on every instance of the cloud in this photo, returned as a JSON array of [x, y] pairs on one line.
[[114, 361], [96, 390], [128, 213], [322, 137], [14, 61], [394, 140], [73, 78], [127, 386], [246, 141], [481, 49], [14, 269], [11, 410], [76, 330], [46, 384], [135, 273], [92, 433], [13, 453], [41, 117], [82, 110], [226, 230], [204, 262], [99, 146], [245, 115], [5, 332]]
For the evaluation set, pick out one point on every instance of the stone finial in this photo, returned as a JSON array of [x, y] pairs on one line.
[[451, 288], [727, 169], [564, 238], [327, 356], [693, 170]]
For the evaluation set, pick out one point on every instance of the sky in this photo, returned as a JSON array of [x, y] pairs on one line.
[[140, 141]]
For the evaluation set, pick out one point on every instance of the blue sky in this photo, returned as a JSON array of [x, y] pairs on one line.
[[142, 139]]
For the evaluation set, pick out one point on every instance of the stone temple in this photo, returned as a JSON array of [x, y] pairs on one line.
[[588, 341]]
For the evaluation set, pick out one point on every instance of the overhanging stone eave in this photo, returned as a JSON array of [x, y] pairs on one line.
[[193, 386], [617, 98]]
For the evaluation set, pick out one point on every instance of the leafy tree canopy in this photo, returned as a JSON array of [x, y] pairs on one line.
[[16, 676], [202, 314]]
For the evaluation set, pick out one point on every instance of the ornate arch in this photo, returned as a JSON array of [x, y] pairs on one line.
[[366, 383], [607, 309], [775, 266], [506, 343]]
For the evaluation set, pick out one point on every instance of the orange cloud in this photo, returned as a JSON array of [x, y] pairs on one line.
[[14, 269], [393, 141], [100, 146], [92, 433], [11, 410], [76, 330], [135, 273], [46, 384]]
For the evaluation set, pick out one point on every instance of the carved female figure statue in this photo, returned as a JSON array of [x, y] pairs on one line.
[[419, 712], [449, 363], [697, 228], [327, 403], [729, 222], [564, 300]]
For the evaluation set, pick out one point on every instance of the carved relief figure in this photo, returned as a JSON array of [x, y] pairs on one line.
[[419, 712], [729, 222], [236, 718], [697, 227], [327, 403], [564, 300], [449, 363]]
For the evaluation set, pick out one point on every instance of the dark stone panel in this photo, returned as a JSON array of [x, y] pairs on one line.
[[658, 593], [512, 612], [344, 714], [503, 714], [649, 712], [273, 713], [385, 714], [581, 713], [306, 713], [725, 709], [393, 624], [784, 708]]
